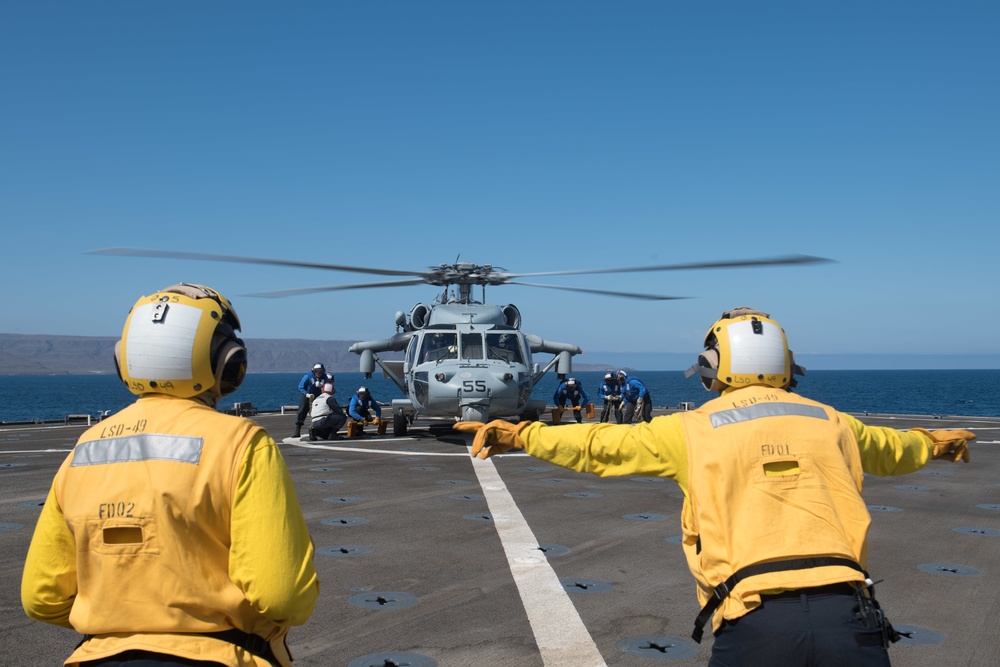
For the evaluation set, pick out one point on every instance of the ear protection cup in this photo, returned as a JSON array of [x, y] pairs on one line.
[[229, 362], [708, 362], [118, 359]]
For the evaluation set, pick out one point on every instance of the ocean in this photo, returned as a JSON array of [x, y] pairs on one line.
[[25, 398]]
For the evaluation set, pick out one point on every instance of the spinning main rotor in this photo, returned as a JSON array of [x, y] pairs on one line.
[[463, 274]]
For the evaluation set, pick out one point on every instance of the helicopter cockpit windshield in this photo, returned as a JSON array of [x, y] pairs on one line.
[[503, 347], [472, 346]]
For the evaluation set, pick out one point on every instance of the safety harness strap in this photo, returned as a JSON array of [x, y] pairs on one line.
[[722, 591], [255, 644]]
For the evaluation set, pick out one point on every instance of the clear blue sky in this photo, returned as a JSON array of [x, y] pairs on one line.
[[536, 136]]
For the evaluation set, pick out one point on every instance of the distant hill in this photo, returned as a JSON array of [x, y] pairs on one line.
[[80, 355]]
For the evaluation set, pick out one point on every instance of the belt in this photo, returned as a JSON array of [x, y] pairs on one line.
[[722, 591], [843, 588], [254, 644]]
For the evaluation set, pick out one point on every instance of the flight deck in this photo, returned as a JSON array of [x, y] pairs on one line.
[[427, 557]]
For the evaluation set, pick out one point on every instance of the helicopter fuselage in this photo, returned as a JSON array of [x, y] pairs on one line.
[[470, 371], [468, 361]]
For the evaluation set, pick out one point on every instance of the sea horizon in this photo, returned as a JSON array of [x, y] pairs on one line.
[[965, 392]]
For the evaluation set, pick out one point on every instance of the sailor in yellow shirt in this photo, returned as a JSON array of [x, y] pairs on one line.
[[774, 525], [172, 534]]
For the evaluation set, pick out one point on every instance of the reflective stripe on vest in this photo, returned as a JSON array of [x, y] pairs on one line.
[[143, 447], [749, 413]]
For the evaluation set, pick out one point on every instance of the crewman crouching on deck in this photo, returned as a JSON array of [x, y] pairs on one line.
[[571, 390], [172, 534], [363, 407], [774, 524], [327, 415]]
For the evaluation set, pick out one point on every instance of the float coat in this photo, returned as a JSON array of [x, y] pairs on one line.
[[708, 450], [774, 476], [171, 519], [321, 407]]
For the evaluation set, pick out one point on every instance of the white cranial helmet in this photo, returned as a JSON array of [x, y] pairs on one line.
[[181, 341], [745, 347]]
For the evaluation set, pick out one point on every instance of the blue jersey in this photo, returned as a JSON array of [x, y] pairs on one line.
[[358, 404], [611, 389], [578, 395], [634, 389], [310, 384]]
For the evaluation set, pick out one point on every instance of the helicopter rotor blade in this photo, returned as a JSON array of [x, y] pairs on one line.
[[333, 288], [628, 295], [770, 261], [170, 254]]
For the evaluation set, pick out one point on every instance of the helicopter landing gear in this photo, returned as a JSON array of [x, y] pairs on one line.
[[475, 413], [529, 416], [399, 424]]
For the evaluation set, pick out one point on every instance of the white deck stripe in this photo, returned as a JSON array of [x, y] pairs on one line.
[[562, 638]]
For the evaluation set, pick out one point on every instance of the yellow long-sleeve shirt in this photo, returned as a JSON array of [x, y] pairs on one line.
[[659, 448]]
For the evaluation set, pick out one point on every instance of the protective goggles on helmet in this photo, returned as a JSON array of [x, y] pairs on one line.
[[181, 341]]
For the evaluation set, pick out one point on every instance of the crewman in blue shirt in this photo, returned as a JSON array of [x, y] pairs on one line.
[[571, 390], [632, 390], [310, 386], [612, 393], [363, 405]]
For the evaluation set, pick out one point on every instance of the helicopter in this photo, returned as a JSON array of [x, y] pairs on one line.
[[463, 358]]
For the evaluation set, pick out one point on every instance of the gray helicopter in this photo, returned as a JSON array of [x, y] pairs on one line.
[[464, 359]]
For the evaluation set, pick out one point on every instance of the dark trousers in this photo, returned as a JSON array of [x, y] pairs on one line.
[[608, 407], [304, 405], [325, 427], [797, 628], [647, 411], [147, 659]]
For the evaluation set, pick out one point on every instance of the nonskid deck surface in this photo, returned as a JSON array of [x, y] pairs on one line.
[[426, 557]]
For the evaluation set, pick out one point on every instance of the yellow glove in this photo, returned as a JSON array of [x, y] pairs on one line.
[[494, 438], [949, 445]]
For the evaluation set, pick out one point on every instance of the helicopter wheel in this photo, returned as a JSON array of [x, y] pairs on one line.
[[529, 416], [399, 424]]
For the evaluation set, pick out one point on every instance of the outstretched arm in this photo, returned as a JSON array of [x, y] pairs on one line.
[[887, 451]]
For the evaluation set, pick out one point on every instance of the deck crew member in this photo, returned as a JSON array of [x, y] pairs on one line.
[[571, 390], [327, 415], [634, 395], [612, 393], [363, 407], [172, 533], [310, 386], [774, 524]]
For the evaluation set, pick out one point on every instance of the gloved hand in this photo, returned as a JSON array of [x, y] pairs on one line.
[[375, 420], [496, 437], [950, 445], [310, 397]]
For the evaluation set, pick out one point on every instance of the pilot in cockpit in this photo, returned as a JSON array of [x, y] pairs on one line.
[[439, 346]]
